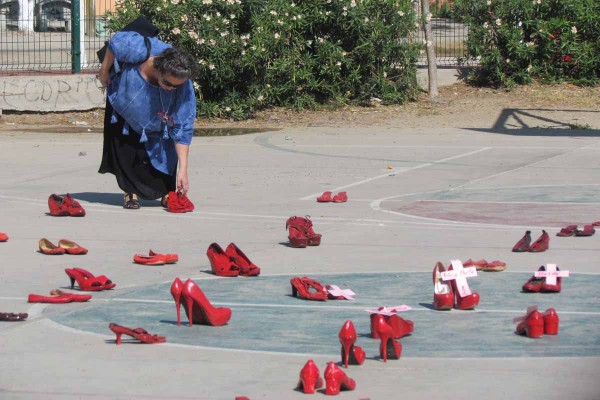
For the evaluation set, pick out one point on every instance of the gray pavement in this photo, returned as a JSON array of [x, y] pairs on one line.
[[415, 197]]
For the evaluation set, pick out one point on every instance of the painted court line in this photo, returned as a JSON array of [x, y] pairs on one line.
[[309, 197]]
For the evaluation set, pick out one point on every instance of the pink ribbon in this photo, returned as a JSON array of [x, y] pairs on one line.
[[337, 292], [390, 310]]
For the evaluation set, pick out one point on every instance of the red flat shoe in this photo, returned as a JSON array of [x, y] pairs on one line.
[[57, 206], [336, 380], [3, 237], [49, 248], [71, 247], [495, 266], [309, 378], [170, 258], [88, 282], [199, 309], [138, 333], [341, 197], [220, 263], [534, 284], [443, 296], [523, 244], [73, 207], [551, 322], [567, 231], [479, 265], [155, 259], [554, 288], [308, 289], [247, 267], [325, 197], [389, 347], [532, 326], [588, 230], [13, 317], [58, 297], [541, 244], [468, 302], [351, 354], [297, 238]]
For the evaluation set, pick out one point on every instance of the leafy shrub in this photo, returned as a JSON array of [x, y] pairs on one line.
[[303, 54], [517, 40]]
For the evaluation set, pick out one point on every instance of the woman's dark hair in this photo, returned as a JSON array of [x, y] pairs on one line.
[[177, 63]]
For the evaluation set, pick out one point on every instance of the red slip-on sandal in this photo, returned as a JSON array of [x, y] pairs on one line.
[[170, 258], [3, 237], [247, 267], [523, 244], [308, 289], [325, 197], [49, 248], [57, 206], [341, 197], [220, 262], [71, 247], [541, 244], [138, 333], [588, 230], [479, 265], [87, 281], [567, 231], [155, 259]]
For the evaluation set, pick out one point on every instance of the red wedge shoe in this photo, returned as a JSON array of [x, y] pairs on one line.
[[308, 289], [199, 309], [220, 263], [325, 197], [336, 380], [443, 296], [341, 197], [247, 267], [541, 244], [305, 226], [523, 244], [532, 326], [309, 378], [71, 247], [138, 333], [49, 248], [551, 322], [297, 237], [567, 231], [351, 354], [87, 281], [3, 237], [588, 230]]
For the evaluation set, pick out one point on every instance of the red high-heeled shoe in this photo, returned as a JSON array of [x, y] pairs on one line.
[[541, 244], [297, 238], [523, 243], [176, 289], [199, 309], [534, 284], [389, 347], [532, 326], [443, 296], [49, 248], [304, 225], [71, 247], [87, 281], [139, 333], [468, 302], [308, 289], [336, 380], [400, 326], [220, 263], [309, 378], [351, 354], [551, 322], [247, 267]]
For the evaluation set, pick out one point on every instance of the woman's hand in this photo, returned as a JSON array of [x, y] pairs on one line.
[[183, 184], [104, 77]]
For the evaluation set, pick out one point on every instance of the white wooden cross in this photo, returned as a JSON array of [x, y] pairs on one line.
[[460, 275], [551, 274], [337, 292], [388, 311]]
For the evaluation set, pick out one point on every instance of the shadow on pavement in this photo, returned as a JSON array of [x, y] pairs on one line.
[[111, 199]]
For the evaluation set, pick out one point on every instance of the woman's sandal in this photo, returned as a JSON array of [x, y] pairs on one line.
[[131, 201], [164, 201], [138, 333]]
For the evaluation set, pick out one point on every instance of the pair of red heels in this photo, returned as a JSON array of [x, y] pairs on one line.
[[326, 197], [524, 244], [446, 295], [335, 379], [138, 333], [64, 247], [87, 281], [537, 324], [231, 262], [301, 232], [64, 206], [178, 203], [57, 296], [196, 305], [155, 258], [535, 284]]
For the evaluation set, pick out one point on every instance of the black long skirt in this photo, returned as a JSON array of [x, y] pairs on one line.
[[126, 158]]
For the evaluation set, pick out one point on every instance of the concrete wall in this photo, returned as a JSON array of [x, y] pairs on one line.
[[51, 93]]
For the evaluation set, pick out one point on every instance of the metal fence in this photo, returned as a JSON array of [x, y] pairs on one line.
[[36, 35]]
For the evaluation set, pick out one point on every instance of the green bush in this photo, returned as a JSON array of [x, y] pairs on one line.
[[518, 40], [263, 53]]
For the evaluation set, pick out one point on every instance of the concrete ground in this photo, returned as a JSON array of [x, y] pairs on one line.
[[415, 197]]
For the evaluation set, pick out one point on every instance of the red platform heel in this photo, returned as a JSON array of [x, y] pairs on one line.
[[541, 244], [532, 325], [388, 348], [443, 296], [468, 302], [139, 333], [87, 281], [308, 289], [220, 263], [247, 267], [305, 226], [523, 244], [336, 380], [199, 309], [297, 237], [351, 354], [551, 322], [176, 289], [309, 378]]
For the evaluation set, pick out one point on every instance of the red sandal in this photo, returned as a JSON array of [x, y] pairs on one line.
[[138, 333], [308, 289]]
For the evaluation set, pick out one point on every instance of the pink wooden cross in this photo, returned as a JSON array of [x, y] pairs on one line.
[[460, 275], [390, 310], [551, 274]]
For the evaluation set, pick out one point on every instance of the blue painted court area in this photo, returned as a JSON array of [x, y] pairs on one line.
[[267, 318]]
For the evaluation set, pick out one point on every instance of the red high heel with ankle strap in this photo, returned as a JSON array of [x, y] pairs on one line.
[[308, 289], [309, 378], [139, 333], [247, 267], [220, 263], [199, 309], [336, 380], [351, 354], [389, 347], [443, 296], [87, 281]]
